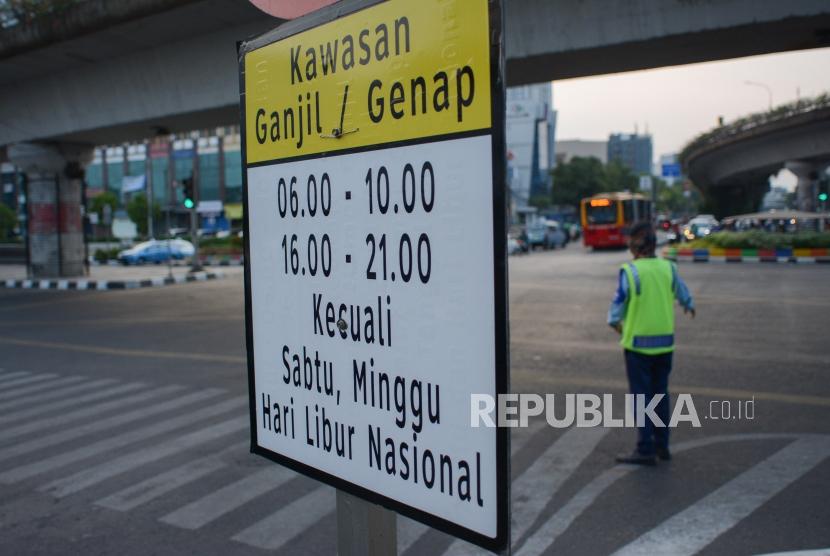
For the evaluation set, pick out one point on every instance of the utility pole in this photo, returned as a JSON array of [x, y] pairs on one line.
[[763, 86], [148, 189]]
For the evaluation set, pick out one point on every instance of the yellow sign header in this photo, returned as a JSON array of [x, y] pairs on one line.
[[396, 71]]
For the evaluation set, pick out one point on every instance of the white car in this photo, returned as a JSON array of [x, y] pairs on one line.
[[700, 226]]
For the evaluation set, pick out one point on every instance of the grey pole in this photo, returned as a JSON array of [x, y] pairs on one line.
[[148, 190], [363, 528], [195, 264]]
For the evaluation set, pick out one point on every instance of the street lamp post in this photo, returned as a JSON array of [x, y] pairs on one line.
[[763, 86]]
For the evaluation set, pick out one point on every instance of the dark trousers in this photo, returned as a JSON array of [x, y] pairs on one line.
[[649, 375]]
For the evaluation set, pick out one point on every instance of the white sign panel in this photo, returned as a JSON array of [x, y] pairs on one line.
[[375, 262]]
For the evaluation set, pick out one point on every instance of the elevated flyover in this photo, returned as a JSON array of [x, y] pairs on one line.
[[112, 71], [106, 71], [732, 164]]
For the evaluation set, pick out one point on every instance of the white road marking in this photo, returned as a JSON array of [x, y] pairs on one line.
[[94, 475], [70, 402], [159, 485], [22, 381], [534, 488], [409, 530], [60, 437], [79, 414], [7, 376], [694, 528], [228, 498], [49, 392], [276, 530], [543, 537], [42, 465], [547, 534]]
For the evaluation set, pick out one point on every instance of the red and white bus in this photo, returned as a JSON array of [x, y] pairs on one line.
[[606, 217]]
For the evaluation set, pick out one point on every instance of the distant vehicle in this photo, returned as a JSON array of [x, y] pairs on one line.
[[663, 223], [555, 237], [669, 227], [156, 251], [536, 235], [606, 218], [700, 226], [514, 246]]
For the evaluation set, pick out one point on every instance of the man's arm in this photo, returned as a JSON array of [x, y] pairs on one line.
[[616, 311], [681, 292]]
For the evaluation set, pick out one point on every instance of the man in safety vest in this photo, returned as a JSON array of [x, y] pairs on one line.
[[643, 313]]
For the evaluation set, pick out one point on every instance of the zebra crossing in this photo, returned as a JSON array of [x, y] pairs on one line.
[[130, 446]]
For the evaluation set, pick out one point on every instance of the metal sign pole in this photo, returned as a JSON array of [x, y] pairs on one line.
[[363, 528], [196, 264]]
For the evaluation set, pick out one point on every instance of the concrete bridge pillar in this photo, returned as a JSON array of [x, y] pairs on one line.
[[806, 189], [54, 174]]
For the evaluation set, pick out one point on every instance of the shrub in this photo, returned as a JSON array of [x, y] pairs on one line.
[[104, 255], [758, 239], [8, 219]]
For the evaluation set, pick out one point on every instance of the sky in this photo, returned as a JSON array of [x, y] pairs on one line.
[[677, 103]]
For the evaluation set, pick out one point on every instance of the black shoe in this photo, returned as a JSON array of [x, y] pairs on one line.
[[637, 458], [663, 454]]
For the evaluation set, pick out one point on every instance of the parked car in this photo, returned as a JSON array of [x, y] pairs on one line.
[[534, 235], [556, 237], [156, 251], [700, 226], [547, 234]]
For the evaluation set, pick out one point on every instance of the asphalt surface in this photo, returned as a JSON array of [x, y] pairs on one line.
[[123, 423]]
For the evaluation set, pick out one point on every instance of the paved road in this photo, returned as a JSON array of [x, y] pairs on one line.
[[123, 424]]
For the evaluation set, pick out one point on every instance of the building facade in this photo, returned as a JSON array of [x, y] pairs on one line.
[[570, 148], [631, 150], [530, 137], [13, 194], [212, 159]]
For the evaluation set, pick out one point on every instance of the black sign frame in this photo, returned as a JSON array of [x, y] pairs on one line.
[[500, 277]]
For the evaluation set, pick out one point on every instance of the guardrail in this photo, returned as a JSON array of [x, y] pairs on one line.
[[749, 123]]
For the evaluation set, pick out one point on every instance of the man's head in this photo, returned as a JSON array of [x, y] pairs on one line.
[[642, 242]]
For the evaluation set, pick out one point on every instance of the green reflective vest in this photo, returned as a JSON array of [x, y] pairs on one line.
[[648, 326]]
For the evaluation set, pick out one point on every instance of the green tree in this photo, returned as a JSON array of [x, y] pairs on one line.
[[586, 176], [578, 178], [98, 202], [619, 178], [137, 211], [541, 202], [8, 219], [675, 200]]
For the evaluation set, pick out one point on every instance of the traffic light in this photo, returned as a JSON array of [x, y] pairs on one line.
[[822, 197], [187, 192]]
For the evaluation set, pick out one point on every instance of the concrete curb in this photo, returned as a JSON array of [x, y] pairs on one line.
[[714, 255], [101, 285]]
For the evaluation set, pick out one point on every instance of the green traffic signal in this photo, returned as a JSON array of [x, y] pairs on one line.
[[188, 203], [822, 196]]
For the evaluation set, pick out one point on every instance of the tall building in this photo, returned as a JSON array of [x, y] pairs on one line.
[[570, 148], [530, 134], [631, 150], [212, 158]]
